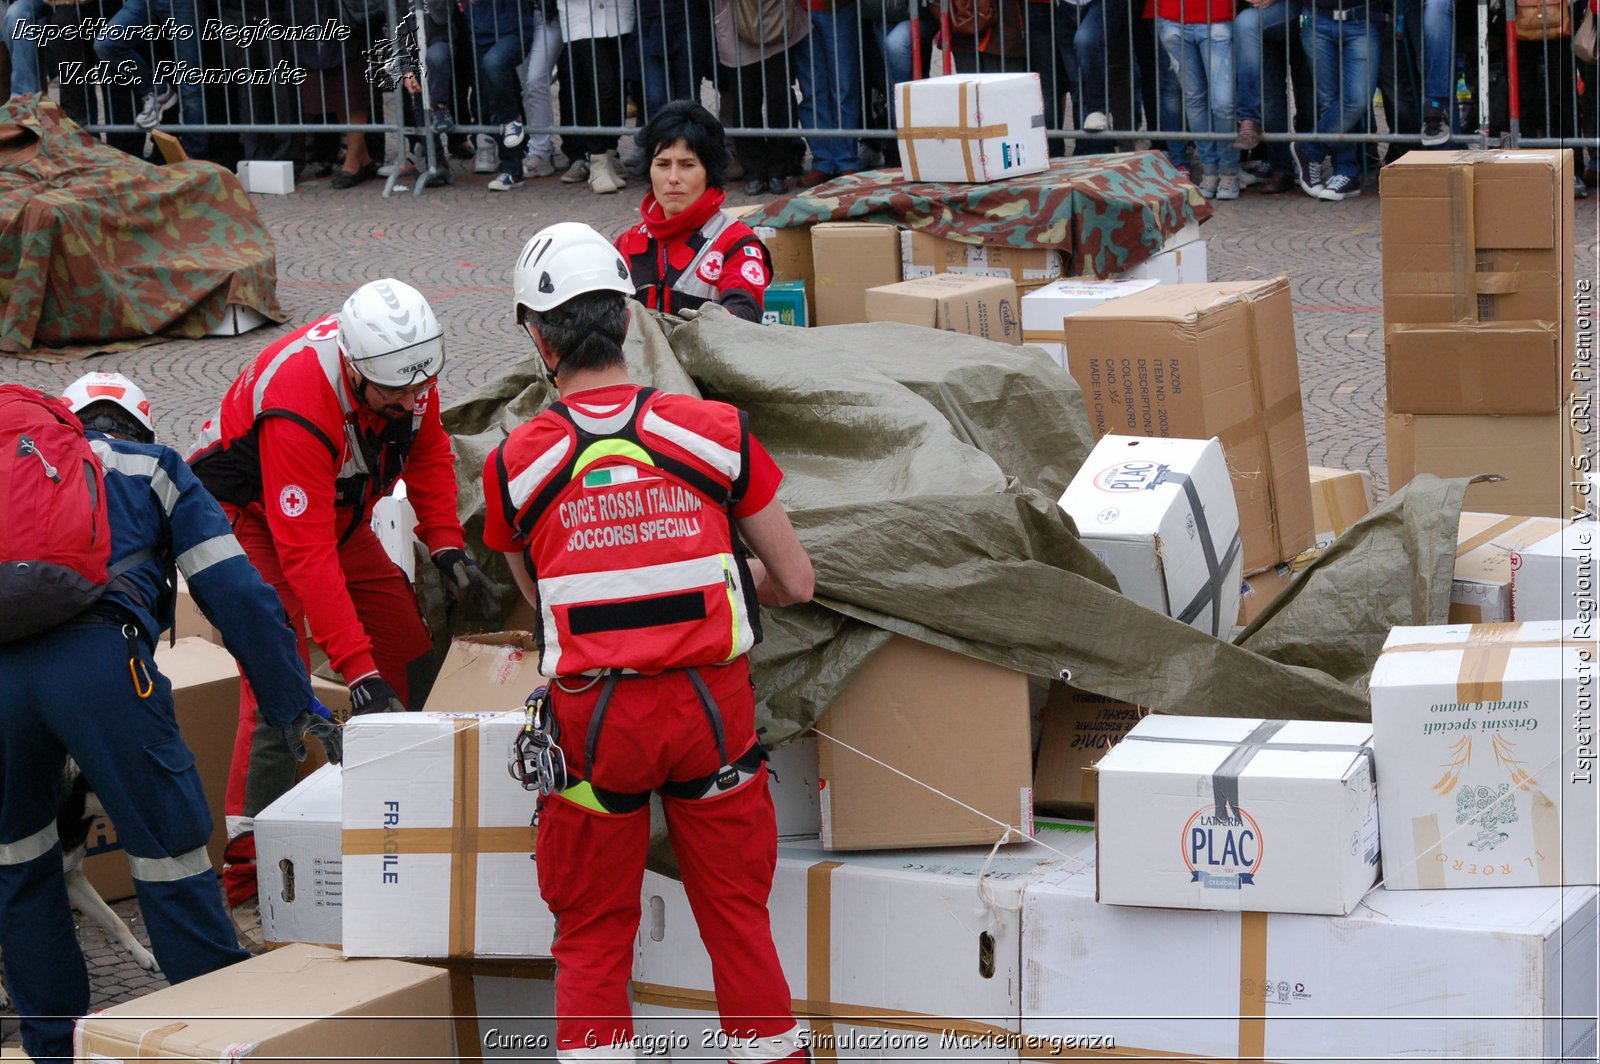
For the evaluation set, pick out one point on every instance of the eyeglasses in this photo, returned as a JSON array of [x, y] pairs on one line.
[[409, 391]]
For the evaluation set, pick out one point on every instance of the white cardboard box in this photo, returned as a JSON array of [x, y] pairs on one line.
[[1044, 308], [971, 127], [422, 792], [299, 867], [1409, 975], [395, 523], [1161, 514], [1185, 264], [793, 783], [1488, 770], [1238, 814], [272, 177], [238, 319], [1554, 579], [1480, 593]]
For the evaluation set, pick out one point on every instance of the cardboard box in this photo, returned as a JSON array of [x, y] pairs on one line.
[[1184, 264], [1044, 309], [786, 303], [924, 254], [971, 127], [1487, 779], [1532, 453], [1481, 590], [238, 319], [952, 302], [487, 673], [504, 1010], [189, 621], [1554, 578], [1195, 361], [1160, 514], [1495, 368], [1339, 498], [1475, 236], [1079, 727], [296, 1003], [790, 248], [438, 840], [299, 866], [886, 955], [273, 178], [1237, 814], [205, 696], [1258, 591], [1383, 983], [853, 257], [395, 523], [913, 706], [793, 782]]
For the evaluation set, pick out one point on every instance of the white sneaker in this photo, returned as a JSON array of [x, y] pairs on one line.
[[505, 183], [577, 172], [602, 179], [487, 159], [536, 166], [1228, 186], [512, 134], [559, 160], [153, 106], [1340, 187], [1095, 122]]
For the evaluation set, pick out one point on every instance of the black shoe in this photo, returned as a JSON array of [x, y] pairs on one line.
[[345, 179], [320, 169], [753, 185], [1435, 128], [777, 186]]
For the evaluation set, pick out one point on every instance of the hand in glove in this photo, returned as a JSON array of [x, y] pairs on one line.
[[316, 721], [372, 694], [467, 583]]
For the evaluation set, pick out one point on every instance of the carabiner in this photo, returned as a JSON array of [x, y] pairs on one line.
[[136, 664]]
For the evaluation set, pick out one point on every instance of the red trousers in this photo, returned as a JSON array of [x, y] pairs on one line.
[[591, 864], [262, 769]]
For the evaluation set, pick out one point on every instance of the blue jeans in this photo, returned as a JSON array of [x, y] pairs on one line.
[[1261, 58], [501, 85], [1344, 64], [675, 58], [1439, 52], [25, 75], [1202, 55], [191, 94], [894, 42], [830, 87]]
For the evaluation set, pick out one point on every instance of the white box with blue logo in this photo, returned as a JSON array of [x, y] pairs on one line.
[[1238, 814], [971, 128], [1160, 513]]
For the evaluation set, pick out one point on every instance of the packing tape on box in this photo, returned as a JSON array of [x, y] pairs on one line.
[[1217, 569], [1430, 856], [1485, 653], [463, 840], [1499, 528], [968, 136]]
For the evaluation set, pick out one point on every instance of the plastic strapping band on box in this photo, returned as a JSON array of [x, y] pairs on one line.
[[1216, 569]]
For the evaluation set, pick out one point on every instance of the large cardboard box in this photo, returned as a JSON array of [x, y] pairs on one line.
[[924, 254], [1260, 590], [851, 257], [205, 696], [1238, 814], [296, 1003], [911, 955], [1553, 579], [1078, 728], [504, 1010], [299, 864], [1488, 778], [1409, 975], [971, 127], [486, 673], [1512, 367], [1474, 236], [1339, 498], [916, 708], [438, 840], [1160, 514], [1532, 453], [1195, 361], [1044, 309], [1481, 590], [952, 302], [189, 621]]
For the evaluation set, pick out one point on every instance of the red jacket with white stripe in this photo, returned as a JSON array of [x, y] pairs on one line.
[[293, 443], [699, 256], [622, 502]]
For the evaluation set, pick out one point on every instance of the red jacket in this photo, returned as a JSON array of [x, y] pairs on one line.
[[698, 256], [293, 443], [623, 499]]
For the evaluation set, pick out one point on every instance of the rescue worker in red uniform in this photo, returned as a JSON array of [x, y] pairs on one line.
[[309, 437], [686, 252], [625, 512]]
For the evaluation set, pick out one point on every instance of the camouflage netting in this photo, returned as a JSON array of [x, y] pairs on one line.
[[1107, 213], [101, 251], [922, 475]]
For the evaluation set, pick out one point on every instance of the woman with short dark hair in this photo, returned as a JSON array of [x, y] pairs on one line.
[[686, 252]]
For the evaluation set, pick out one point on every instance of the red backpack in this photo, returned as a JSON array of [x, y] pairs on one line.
[[55, 539]]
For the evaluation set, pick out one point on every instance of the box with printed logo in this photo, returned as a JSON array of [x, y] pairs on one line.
[[299, 869], [971, 127], [785, 304], [1044, 309], [1487, 762], [1160, 514], [1238, 814], [952, 302], [1481, 590]]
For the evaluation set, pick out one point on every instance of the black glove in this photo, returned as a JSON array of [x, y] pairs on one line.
[[317, 722], [468, 584], [374, 695]]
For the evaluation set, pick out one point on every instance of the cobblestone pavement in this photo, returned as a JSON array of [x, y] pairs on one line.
[[457, 245]]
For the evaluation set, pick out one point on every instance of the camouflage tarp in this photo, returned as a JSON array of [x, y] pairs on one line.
[[1108, 213], [922, 471], [99, 250]]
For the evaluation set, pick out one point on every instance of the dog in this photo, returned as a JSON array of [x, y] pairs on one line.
[[77, 808]]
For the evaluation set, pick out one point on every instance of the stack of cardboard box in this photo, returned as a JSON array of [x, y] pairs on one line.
[[1479, 323]]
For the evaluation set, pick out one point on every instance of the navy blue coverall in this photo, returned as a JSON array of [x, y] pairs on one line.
[[90, 688]]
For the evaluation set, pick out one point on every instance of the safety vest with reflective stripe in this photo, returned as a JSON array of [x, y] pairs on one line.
[[631, 543]]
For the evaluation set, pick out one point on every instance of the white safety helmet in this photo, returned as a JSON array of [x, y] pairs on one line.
[[566, 260], [94, 388], [389, 334]]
